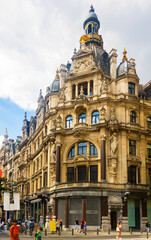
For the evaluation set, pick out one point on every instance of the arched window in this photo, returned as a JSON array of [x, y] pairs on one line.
[[93, 150], [95, 117], [149, 122], [133, 117], [72, 152], [69, 122], [82, 118], [89, 28], [82, 148]]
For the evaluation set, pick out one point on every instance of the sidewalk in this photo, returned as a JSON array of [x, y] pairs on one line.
[[90, 235]]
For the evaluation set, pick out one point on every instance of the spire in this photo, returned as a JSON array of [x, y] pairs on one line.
[[91, 8], [57, 74], [124, 55]]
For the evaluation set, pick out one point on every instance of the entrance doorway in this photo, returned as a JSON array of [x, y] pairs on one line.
[[113, 219]]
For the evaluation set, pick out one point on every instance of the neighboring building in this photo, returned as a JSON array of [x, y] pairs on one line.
[[87, 153]]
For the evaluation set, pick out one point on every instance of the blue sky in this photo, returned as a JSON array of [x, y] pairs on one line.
[[37, 36], [11, 117]]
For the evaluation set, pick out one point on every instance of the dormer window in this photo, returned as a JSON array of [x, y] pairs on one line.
[[131, 88]]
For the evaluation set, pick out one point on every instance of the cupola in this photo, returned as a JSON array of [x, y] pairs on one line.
[[124, 65], [55, 87], [91, 26]]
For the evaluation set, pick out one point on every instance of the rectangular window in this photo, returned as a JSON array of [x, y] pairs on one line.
[[40, 182], [149, 150], [94, 173], [46, 156], [131, 88], [132, 147], [132, 174], [45, 179], [82, 174], [82, 148], [70, 174], [37, 164]]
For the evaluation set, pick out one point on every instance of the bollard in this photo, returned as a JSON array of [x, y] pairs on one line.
[[45, 232], [25, 231], [85, 231], [72, 231], [109, 231], [147, 234], [130, 230], [59, 232], [97, 231]]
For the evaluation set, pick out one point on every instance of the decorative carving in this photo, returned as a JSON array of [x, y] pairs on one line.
[[102, 115], [113, 119], [114, 144], [54, 123], [53, 172], [62, 96], [53, 151], [104, 86], [112, 162], [84, 64], [102, 136], [59, 121], [114, 200]]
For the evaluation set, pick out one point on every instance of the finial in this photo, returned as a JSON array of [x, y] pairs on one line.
[[91, 8], [40, 92], [25, 115], [124, 55], [6, 130], [75, 51], [57, 74]]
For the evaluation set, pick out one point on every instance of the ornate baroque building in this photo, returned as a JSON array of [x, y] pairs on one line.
[[87, 152]]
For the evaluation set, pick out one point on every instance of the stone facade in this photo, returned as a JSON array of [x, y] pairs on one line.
[[86, 153]]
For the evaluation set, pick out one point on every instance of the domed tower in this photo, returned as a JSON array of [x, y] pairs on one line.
[[55, 87], [91, 26]]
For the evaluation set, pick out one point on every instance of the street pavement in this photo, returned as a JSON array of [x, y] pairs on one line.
[[90, 235]]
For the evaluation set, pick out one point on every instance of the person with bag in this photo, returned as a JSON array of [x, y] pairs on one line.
[[14, 231], [119, 230], [148, 226]]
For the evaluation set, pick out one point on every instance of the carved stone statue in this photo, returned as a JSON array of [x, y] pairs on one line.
[[102, 115], [59, 121], [114, 144], [113, 119], [62, 96], [53, 152], [104, 86]]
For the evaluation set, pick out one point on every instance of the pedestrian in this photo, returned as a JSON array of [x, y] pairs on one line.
[[119, 230], [36, 226], [61, 224], [57, 225], [14, 235], [76, 225], [85, 226], [148, 226], [82, 225], [38, 234]]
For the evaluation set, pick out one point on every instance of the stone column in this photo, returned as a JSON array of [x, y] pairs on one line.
[[75, 174], [84, 208], [41, 212], [124, 219], [66, 213], [105, 219], [47, 215], [58, 148], [55, 208], [48, 180], [88, 88], [87, 173], [103, 157], [143, 206], [76, 90]]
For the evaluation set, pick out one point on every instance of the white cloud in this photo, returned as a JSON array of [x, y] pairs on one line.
[[1, 140], [36, 36]]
